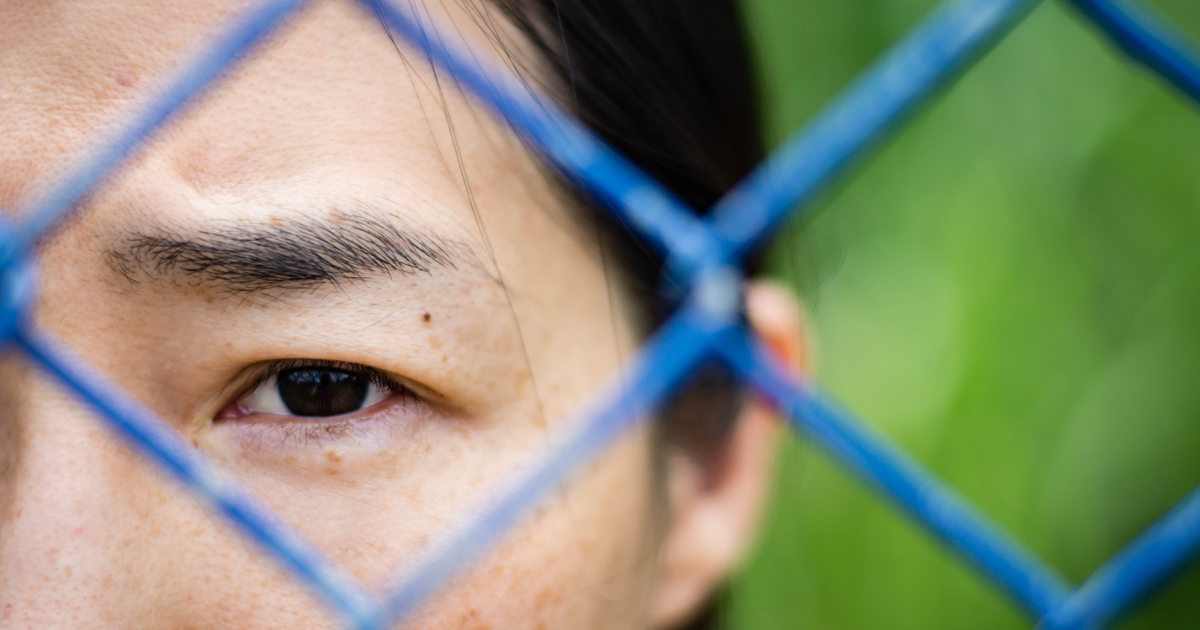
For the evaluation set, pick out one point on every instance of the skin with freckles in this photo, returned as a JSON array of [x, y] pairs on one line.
[[332, 207]]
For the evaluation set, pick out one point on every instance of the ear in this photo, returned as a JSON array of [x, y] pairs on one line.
[[715, 510]]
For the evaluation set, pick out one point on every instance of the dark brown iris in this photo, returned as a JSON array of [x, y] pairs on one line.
[[322, 391]]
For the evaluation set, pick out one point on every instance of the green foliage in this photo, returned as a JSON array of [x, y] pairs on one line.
[[1011, 290]]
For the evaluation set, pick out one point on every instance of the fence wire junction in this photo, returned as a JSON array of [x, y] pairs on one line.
[[703, 255]]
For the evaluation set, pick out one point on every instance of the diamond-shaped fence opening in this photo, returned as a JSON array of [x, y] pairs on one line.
[[703, 255]]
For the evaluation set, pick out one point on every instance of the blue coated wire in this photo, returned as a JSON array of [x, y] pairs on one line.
[[641, 202], [952, 38], [871, 457], [54, 200], [662, 365], [1146, 39], [153, 439], [1130, 575]]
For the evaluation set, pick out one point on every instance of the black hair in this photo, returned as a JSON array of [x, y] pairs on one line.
[[671, 84], [668, 83]]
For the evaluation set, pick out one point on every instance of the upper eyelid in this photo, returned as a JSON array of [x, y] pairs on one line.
[[274, 368], [255, 374]]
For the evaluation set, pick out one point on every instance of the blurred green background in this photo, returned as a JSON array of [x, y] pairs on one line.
[[1011, 290]]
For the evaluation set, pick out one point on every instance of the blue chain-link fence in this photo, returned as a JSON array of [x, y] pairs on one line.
[[703, 255]]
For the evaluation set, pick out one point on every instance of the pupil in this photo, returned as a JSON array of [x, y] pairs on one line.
[[321, 392]]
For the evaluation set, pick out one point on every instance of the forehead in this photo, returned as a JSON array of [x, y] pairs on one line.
[[329, 106], [328, 115]]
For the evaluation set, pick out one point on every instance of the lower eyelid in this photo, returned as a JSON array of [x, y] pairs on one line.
[[368, 427], [287, 435]]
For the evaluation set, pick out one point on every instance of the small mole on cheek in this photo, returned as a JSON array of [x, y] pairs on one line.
[[426, 317], [333, 455], [125, 79]]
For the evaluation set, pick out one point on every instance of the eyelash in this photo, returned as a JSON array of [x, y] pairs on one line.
[[305, 431], [375, 376]]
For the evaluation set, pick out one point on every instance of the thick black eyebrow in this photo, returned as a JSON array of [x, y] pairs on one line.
[[296, 253]]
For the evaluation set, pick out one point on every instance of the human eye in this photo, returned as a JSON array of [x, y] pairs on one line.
[[312, 398], [314, 389]]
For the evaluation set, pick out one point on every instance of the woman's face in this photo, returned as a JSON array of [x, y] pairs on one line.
[[346, 285]]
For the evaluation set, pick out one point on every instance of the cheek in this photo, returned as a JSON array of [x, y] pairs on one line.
[[583, 560]]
